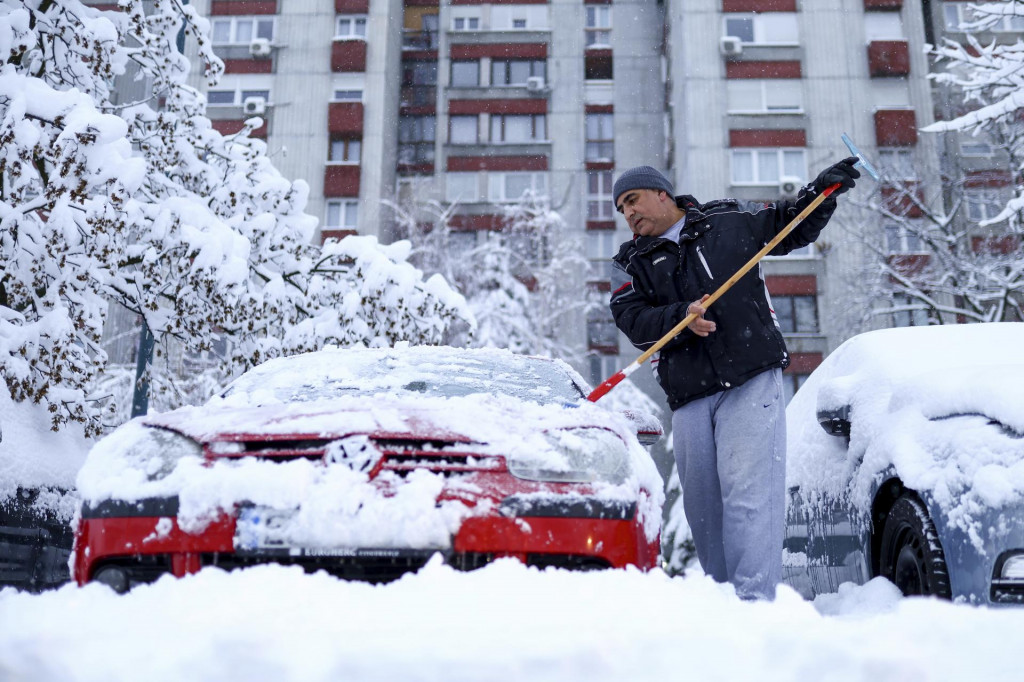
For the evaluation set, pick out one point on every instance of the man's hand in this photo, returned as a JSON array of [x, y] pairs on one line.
[[843, 173], [700, 326]]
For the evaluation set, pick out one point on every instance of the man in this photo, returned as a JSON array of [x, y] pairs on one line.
[[722, 375]]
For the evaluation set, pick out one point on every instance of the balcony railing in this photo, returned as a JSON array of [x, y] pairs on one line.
[[419, 95], [419, 40]]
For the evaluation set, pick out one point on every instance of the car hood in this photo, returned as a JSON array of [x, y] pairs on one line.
[[483, 419]]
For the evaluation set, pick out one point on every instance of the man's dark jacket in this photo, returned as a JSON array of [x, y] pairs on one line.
[[655, 279]]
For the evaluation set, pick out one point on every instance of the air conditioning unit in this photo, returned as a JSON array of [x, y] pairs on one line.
[[730, 46], [259, 47], [789, 186], [254, 106], [535, 84]]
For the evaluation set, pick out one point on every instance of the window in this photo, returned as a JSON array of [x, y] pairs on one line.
[[601, 247], [899, 239], [974, 148], [908, 313], [242, 30], [796, 314], [462, 187], [342, 213], [598, 67], [766, 166], [463, 130], [768, 28], [514, 72], [466, 23], [598, 26], [957, 13], [983, 205], [465, 74], [791, 382], [763, 96], [601, 331], [898, 164], [221, 97], [419, 73], [348, 95], [512, 185], [517, 128], [883, 26], [599, 196], [514, 17], [351, 26], [602, 367], [416, 139], [344, 151], [600, 137]]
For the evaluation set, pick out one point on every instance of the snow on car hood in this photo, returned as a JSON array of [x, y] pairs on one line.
[[920, 401], [339, 506]]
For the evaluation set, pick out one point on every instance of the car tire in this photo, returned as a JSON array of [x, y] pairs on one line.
[[911, 555]]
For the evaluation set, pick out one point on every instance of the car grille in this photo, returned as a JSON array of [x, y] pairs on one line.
[[400, 456]]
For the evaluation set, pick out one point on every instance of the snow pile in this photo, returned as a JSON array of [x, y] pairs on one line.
[[920, 400], [504, 622]]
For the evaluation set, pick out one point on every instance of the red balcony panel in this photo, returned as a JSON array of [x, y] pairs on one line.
[[500, 51], [888, 58], [988, 178], [901, 201], [499, 2], [597, 2], [758, 5], [498, 163], [792, 285], [600, 224], [338, 235], [895, 128], [473, 223], [230, 126], [600, 165], [498, 106], [803, 363], [341, 181], [883, 4], [767, 138], [763, 69], [348, 55], [600, 108], [1002, 245], [909, 264], [248, 66], [422, 3], [242, 7], [352, 6], [106, 7], [345, 118]]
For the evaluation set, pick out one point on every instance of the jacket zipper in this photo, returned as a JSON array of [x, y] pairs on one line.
[[704, 262]]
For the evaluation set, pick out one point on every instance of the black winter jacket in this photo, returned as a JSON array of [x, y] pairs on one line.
[[654, 280]]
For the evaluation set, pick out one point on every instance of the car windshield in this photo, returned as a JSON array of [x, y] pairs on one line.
[[441, 372]]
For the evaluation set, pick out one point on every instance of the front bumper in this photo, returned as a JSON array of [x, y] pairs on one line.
[[142, 541]]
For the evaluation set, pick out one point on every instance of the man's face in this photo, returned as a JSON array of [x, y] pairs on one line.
[[649, 212]]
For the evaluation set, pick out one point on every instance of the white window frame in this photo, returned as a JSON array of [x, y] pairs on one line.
[[908, 318], [347, 144], [601, 245], [602, 198], [341, 206], [519, 18], [451, 73], [497, 184], [462, 187], [883, 26], [765, 27], [763, 89], [243, 86], [898, 239], [234, 22], [898, 163], [466, 18], [598, 26], [538, 128], [346, 27], [983, 204], [757, 153], [455, 139]]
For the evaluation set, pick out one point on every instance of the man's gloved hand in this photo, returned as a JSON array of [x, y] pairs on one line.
[[843, 173]]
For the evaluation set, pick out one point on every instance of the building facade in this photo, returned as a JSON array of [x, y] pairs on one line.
[[473, 102]]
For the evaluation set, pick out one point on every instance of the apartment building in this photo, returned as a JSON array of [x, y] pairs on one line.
[[474, 102]]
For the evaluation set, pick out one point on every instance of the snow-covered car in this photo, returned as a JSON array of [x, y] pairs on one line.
[[906, 460], [366, 462]]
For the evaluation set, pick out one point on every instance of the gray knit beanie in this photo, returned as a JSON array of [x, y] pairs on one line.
[[641, 177]]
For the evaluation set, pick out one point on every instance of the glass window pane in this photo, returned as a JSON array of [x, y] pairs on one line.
[[744, 95], [741, 27], [246, 94], [333, 214], [793, 164], [742, 167], [539, 68], [806, 314], [348, 95], [220, 97], [243, 31], [781, 27], [783, 95], [516, 184], [351, 214], [767, 167], [461, 187], [463, 130], [360, 27], [499, 73], [222, 31], [465, 74], [540, 125], [517, 128], [354, 149], [893, 242], [265, 29], [519, 71]]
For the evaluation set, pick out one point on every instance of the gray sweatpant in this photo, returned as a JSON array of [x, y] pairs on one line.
[[730, 448]]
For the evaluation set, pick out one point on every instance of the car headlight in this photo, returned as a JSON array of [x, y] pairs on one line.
[[157, 451], [582, 455]]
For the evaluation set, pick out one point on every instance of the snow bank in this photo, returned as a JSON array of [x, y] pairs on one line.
[[504, 622]]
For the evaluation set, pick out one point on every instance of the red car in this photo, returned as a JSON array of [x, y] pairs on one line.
[[365, 463]]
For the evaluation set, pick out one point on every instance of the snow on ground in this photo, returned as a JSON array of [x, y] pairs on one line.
[[503, 622]]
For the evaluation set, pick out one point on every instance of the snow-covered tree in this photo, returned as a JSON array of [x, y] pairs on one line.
[[143, 204], [521, 282]]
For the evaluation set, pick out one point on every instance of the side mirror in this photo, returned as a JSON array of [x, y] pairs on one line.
[[836, 421], [648, 428]]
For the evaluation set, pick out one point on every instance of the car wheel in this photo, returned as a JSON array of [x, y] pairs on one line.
[[911, 556]]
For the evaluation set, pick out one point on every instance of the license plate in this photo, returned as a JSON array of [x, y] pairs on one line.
[[263, 528]]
